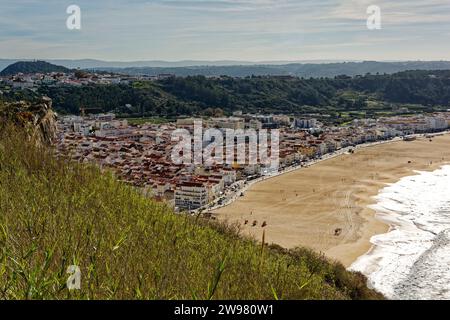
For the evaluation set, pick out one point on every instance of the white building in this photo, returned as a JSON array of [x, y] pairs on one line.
[[191, 196], [437, 123], [305, 123], [82, 128], [229, 176]]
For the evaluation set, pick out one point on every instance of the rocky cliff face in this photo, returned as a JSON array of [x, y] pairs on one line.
[[37, 118]]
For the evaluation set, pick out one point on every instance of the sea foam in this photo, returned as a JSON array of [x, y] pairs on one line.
[[412, 260]]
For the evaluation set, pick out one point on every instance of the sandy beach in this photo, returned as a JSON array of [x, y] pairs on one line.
[[306, 207]]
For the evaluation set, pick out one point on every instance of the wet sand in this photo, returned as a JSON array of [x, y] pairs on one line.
[[325, 206]]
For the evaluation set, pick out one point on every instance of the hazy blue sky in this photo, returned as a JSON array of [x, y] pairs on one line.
[[253, 30]]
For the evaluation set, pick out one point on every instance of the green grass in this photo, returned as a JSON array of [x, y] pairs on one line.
[[54, 213]]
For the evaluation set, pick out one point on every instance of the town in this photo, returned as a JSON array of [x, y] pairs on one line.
[[140, 155], [75, 78]]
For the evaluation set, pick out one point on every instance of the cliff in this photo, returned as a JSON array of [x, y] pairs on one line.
[[37, 118]]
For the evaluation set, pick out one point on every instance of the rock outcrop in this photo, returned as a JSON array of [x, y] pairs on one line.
[[37, 118]]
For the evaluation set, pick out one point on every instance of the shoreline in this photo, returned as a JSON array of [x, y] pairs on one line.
[[303, 220], [410, 260]]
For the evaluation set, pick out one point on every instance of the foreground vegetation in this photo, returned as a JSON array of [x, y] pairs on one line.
[[54, 214]]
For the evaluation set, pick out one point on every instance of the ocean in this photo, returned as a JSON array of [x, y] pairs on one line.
[[412, 260]]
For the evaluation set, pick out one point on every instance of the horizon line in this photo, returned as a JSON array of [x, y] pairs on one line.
[[318, 61]]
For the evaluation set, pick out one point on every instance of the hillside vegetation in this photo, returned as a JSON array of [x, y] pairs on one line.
[[55, 213], [371, 94], [28, 67]]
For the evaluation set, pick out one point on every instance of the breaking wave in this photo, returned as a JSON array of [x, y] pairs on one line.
[[412, 260]]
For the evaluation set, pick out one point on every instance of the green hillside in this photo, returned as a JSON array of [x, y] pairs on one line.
[[426, 91], [32, 67], [55, 213]]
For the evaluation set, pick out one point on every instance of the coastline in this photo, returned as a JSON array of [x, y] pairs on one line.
[[335, 195], [411, 260]]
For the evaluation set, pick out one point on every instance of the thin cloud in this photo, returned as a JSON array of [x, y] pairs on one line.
[[224, 29]]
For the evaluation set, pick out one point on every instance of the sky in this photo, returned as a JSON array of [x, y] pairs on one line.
[[246, 30]]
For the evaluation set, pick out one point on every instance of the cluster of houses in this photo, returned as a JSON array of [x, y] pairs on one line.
[[35, 80], [141, 155]]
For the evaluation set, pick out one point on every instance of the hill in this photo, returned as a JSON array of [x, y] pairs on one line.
[[307, 70], [27, 67], [424, 90], [56, 214]]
